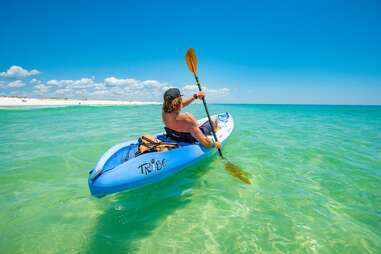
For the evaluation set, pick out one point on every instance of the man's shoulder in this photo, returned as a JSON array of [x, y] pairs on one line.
[[187, 118]]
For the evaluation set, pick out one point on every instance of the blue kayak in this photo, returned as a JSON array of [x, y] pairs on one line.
[[119, 169]]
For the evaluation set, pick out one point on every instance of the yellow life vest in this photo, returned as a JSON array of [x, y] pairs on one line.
[[149, 143]]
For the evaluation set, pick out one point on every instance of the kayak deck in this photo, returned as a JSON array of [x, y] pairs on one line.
[[129, 152]]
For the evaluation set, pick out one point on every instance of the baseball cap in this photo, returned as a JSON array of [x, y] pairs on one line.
[[171, 94]]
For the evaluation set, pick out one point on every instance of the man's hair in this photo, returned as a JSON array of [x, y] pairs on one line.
[[173, 105]]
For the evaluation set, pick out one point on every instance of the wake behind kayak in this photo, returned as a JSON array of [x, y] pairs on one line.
[[119, 169]]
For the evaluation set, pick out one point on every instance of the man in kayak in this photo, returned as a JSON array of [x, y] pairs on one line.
[[183, 127]]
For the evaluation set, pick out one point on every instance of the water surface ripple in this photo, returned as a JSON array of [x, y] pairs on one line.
[[316, 173]]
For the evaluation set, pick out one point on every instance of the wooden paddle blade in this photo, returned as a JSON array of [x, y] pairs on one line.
[[237, 172], [191, 59]]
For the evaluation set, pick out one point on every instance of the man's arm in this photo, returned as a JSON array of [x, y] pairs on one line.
[[196, 132], [189, 100]]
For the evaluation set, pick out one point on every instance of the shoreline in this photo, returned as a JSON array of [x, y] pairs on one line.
[[23, 101], [15, 101]]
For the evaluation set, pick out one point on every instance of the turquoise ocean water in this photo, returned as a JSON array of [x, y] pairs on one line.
[[316, 173]]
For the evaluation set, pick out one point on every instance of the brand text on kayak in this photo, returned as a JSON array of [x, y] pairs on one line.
[[153, 165]]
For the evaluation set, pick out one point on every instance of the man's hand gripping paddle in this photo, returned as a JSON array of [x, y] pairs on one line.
[[234, 170]]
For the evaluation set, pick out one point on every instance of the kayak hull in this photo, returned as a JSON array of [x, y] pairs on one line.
[[113, 173]]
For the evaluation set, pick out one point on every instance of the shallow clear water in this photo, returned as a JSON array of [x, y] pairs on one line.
[[316, 173]]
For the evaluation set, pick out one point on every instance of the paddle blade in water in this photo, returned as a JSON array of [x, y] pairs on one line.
[[191, 59], [237, 172]]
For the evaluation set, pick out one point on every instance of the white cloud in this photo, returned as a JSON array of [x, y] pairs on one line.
[[84, 87], [18, 72], [118, 91], [35, 81], [54, 82], [144, 90], [152, 83], [101, 93], [99, 86], [219, 92], [165, 88], [66, 91], [122, 82], [189, 88], [41, 88], [68, 83], [110, 88], [16, 84], [135, 89], [222, 91]]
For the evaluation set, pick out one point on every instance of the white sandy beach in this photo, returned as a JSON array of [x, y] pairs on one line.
[[10, 101]]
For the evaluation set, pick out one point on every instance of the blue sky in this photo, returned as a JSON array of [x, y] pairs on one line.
[[320, 52]]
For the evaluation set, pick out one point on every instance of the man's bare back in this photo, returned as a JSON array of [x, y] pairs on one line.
[[183, 122]]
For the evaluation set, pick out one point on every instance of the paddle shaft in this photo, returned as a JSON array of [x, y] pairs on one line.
[[207, 113]]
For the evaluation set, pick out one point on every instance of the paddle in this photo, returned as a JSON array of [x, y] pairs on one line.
[[191, 60]]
